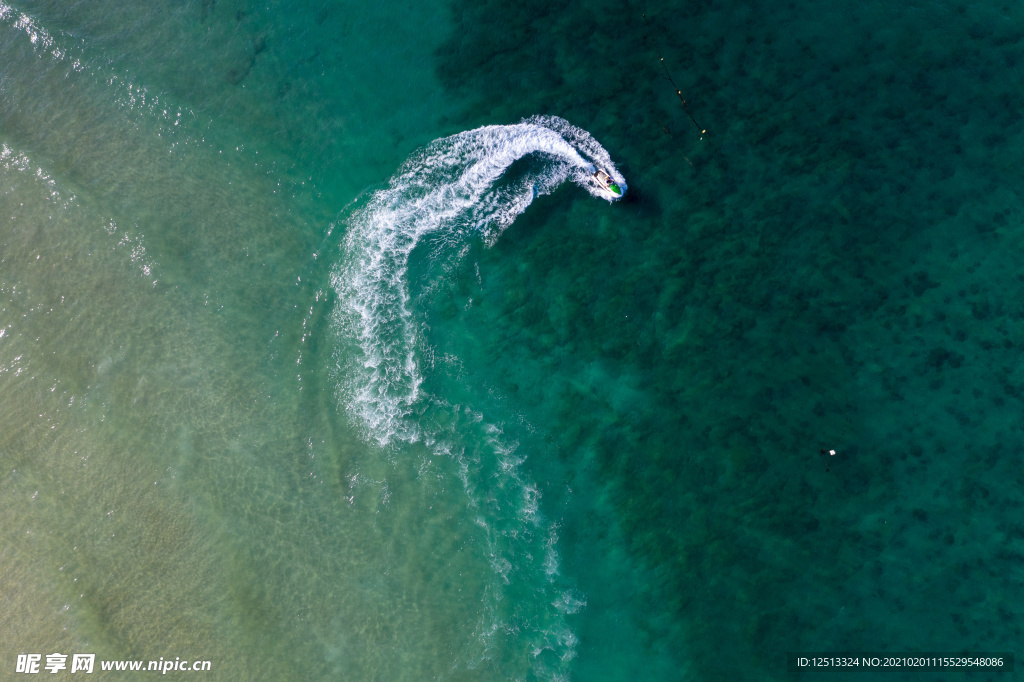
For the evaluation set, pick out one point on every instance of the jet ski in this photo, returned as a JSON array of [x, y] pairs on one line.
[[606, 182]]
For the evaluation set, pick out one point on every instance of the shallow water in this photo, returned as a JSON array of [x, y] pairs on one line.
[[305, 373]]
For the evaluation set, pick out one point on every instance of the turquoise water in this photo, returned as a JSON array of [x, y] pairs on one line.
[[322, 356]]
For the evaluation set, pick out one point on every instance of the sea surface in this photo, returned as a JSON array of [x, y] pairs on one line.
[[324, 357]]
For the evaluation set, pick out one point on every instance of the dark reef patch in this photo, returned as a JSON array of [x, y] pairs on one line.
[[783, 284]]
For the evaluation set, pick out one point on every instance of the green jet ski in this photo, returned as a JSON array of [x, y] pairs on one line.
[[607, 183]]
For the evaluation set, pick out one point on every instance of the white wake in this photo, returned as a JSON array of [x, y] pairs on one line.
[[449, 185], [454, 188]]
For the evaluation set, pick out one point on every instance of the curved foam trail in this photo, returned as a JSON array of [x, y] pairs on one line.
[[456, 187], [450, 185]]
